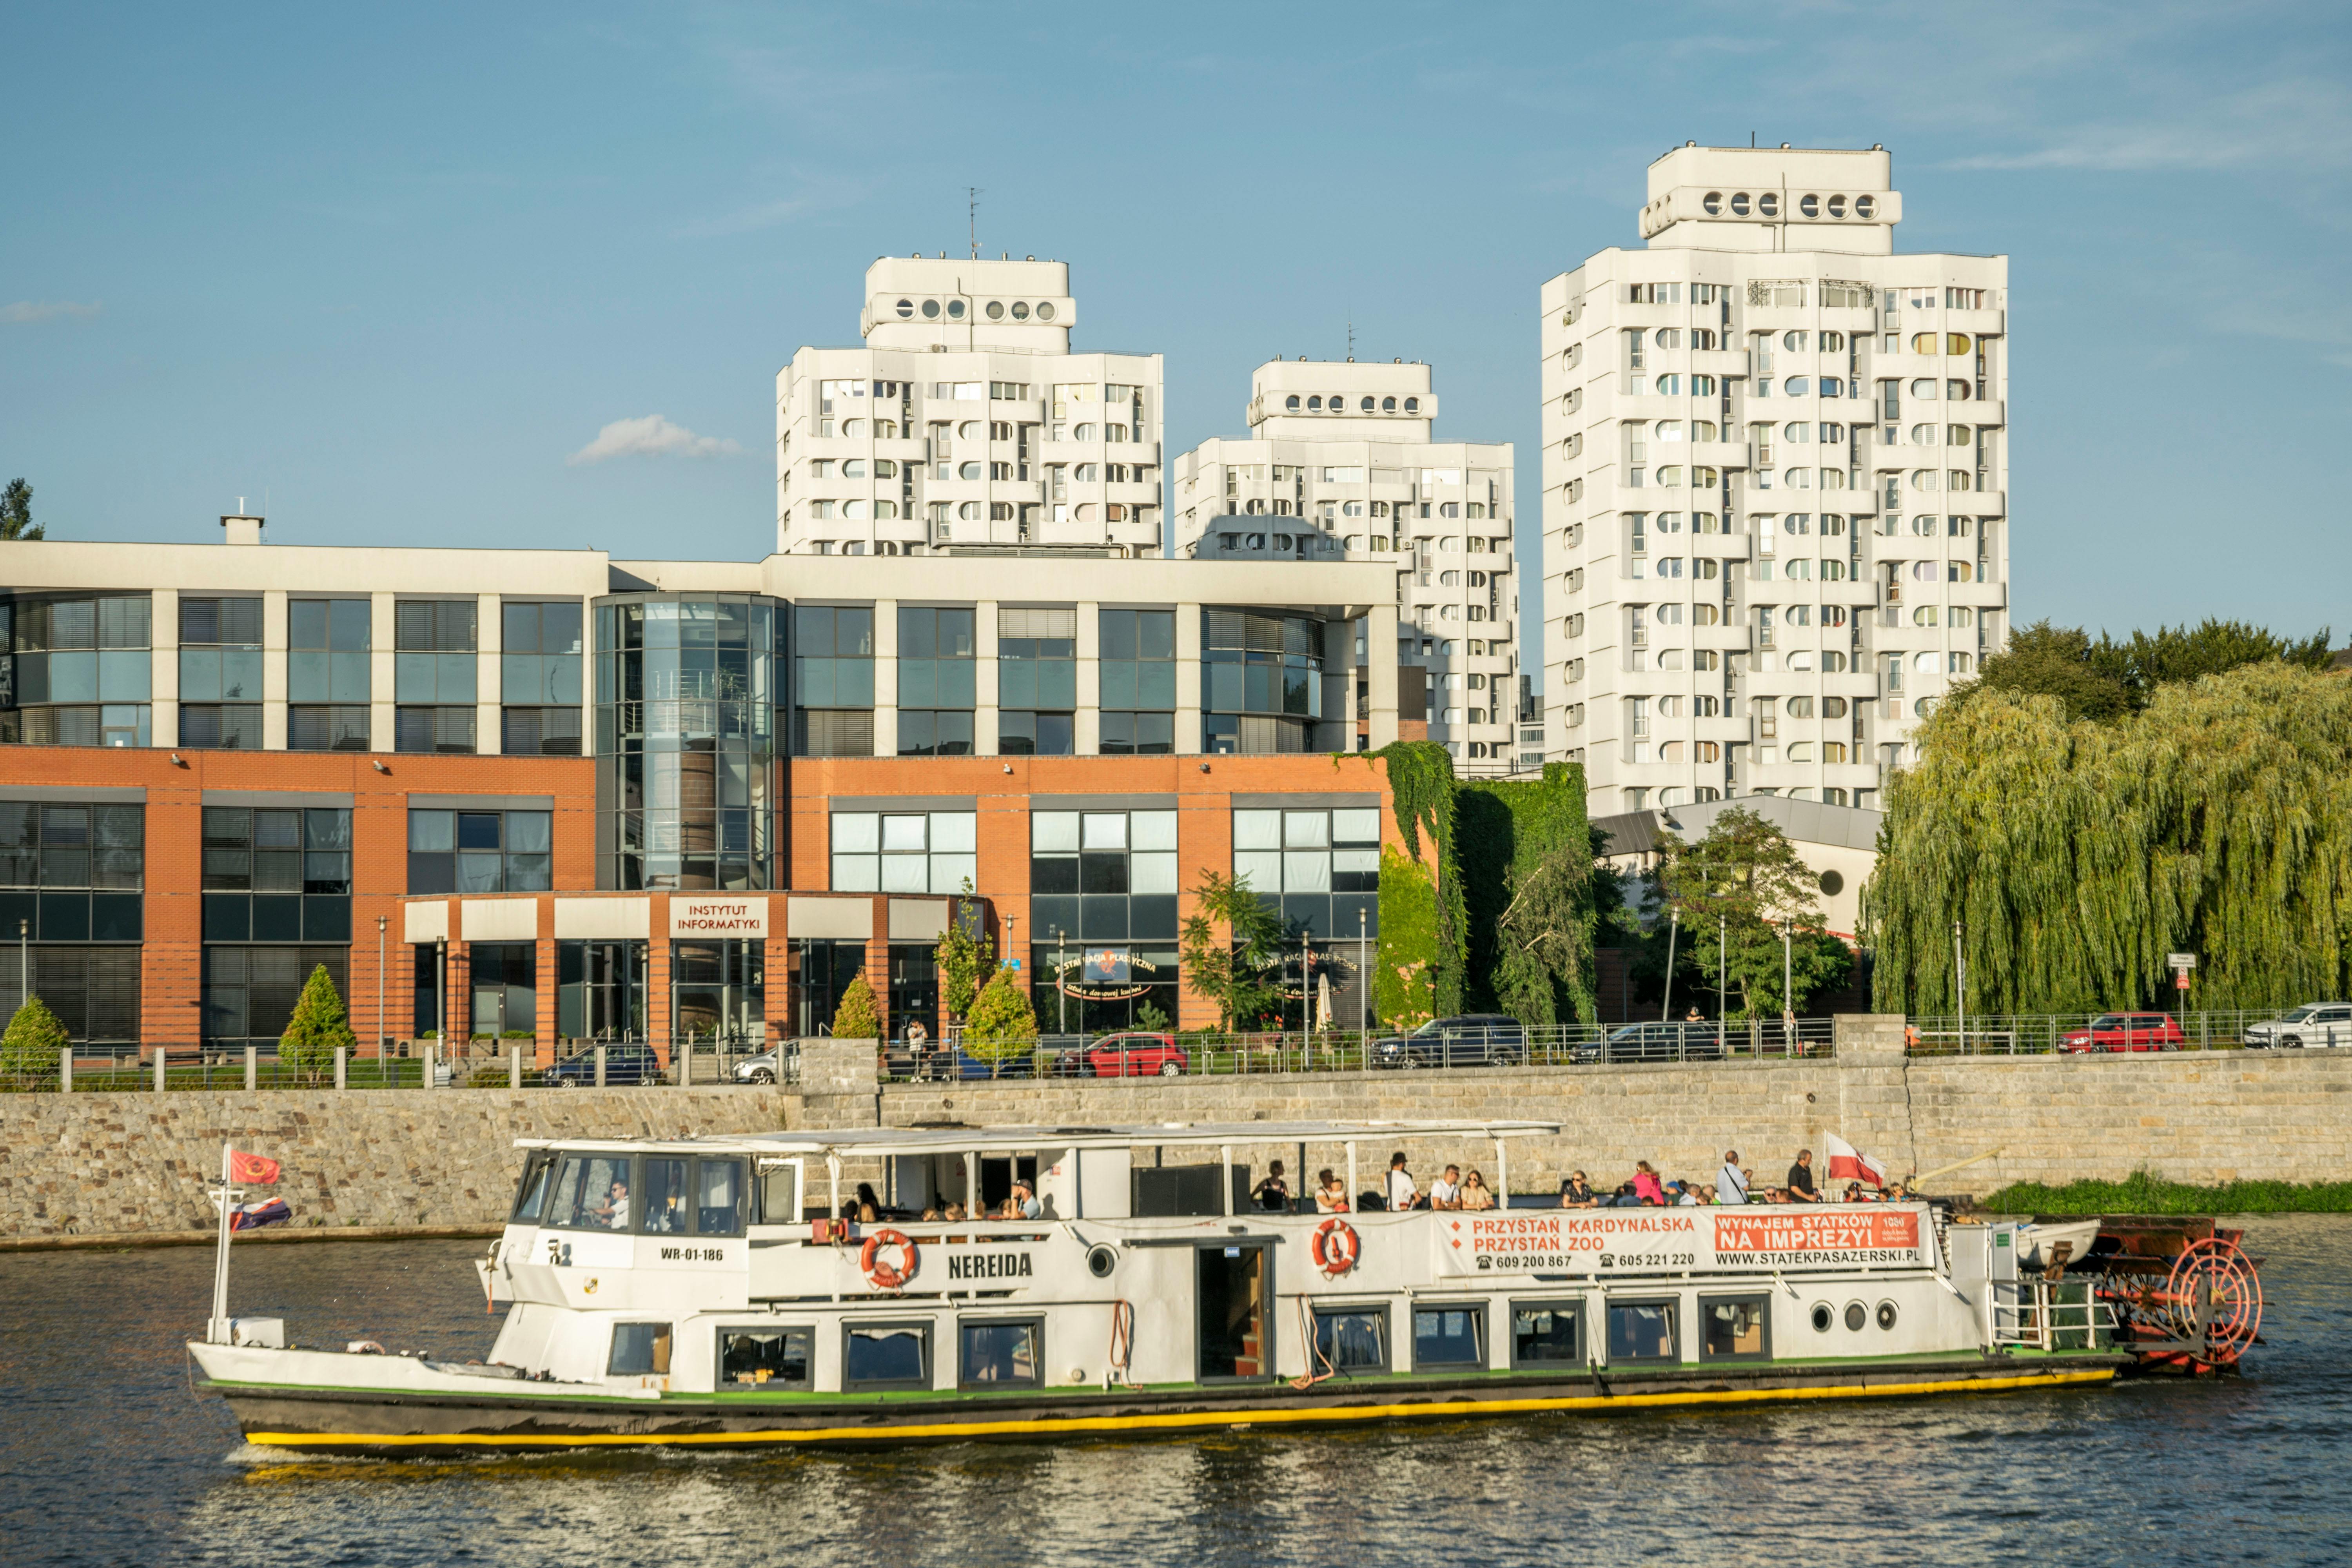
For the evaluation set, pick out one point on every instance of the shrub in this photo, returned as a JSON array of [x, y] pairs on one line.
[[1002, 1023], [317, 1027], [857, 1018], [35, 1037]]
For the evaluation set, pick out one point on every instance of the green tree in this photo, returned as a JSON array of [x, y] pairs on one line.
[[1002, 1023], [1233, 967], [2105, 680], [965, 956], [1739, 890], [317, 1027], [857, 1018], [30, 1049], [2075, 855], [1527, 864], [16, 512], [1405, 992], [2091, 680]]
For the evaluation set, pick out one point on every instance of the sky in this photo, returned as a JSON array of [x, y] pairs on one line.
[[524, 275]]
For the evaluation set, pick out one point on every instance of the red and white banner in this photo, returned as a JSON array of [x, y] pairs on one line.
[[253, 1168], [1762, 1236], [1848, 1163]]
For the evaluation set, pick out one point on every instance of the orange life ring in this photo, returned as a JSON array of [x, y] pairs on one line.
[[882, 1275], [1335, 1246]]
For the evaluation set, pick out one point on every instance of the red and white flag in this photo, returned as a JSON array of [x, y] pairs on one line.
[[1848, 1163], [253, 1168]]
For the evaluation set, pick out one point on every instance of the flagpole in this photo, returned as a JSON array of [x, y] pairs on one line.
[[217, 1330]]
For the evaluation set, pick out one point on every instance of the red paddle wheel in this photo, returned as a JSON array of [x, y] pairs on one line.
[[2187, 1297]]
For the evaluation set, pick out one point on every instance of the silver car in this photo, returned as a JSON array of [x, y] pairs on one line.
[[2314, 1023], [765, 1067]]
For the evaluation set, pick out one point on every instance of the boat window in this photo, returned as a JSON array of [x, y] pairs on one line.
[[765, 1358], [1545, 1333], [665, 1196], [719, 1197], [1352, 1339], [885, 1355], [1642, 1331], [639, 1350], [592, 1192], [1449, 1336], [531, 1195], [1736, 1328], [779, 1194], [1004, 1353]]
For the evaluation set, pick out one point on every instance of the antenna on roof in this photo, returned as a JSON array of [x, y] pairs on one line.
[[1351, 342], [972, 192]]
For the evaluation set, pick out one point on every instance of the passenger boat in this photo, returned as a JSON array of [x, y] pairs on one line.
[[692, 1293]]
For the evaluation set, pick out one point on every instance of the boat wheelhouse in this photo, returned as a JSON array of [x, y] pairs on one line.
[[718, 1291]]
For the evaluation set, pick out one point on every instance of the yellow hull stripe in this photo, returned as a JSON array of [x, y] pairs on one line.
[[1176, 1421]]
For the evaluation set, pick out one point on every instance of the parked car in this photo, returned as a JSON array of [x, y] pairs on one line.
[[626, 1062], [2125, 1032], [1653, 1043], [2314, 1023], [1136, 1055], [768, 1067], [1473, 1039]]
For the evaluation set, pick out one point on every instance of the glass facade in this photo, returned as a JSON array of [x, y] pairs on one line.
[[904, 852], [1102, 914], [1138, 682], [833, 680], [326, 675], [1036, 682], [1318, 867], [434, 674], [1261, 681], [278, 875], [718, 989], [540, 680], [249, 993], [938, 682], [74, 672], [600, 990], [71, 872], [480, 851], [686, 740]]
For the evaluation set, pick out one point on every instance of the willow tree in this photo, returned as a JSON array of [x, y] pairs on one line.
[[2075, 855]]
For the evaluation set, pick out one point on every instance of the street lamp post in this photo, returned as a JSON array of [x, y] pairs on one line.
[[382, 924], [1364, 970], [1673, 933], [1959, 989], [1061, 991], [441, 990]]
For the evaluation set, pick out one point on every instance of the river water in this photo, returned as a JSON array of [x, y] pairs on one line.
[[108, 1457]]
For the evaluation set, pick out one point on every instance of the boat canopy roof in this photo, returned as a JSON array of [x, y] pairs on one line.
[[855, 1141]]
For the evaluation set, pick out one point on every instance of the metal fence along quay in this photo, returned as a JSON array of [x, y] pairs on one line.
[[1487, 1043]]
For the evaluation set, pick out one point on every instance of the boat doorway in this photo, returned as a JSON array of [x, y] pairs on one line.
[[1235, 1284]]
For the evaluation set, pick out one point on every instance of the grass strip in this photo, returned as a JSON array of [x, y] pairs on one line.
[[2145, 1193]]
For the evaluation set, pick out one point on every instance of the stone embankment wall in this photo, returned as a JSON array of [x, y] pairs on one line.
[[114, 1163], [84, 1163]]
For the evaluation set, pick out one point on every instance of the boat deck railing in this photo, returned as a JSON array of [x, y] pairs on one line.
[[2037, 1313]]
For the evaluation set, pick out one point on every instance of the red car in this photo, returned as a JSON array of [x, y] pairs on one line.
[[1125, 1056], [2125, 1032]]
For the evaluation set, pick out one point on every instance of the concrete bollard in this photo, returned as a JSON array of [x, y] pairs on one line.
[[600, 1066], [64, 1070], [342, 1070], [252, 1069], [433, 1065], [158, 1069], [514, 1066]]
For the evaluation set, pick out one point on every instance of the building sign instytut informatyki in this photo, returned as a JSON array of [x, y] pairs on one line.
[[1651, 1240], [719, 917]]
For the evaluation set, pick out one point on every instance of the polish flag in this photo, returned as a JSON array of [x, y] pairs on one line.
[[1848, 1163], [253, 1168]]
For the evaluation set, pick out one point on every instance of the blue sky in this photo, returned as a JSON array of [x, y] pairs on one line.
[[391, 269]]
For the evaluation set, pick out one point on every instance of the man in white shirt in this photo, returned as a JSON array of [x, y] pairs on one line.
[[1732, 1181], [1446, 1192], [1403, 1192]]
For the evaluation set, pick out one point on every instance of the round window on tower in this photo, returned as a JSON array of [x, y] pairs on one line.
[[1863, 206], [1832, 884], [1810, 206], [1045, 311], [1290, 404], [1837, 206], [955, 310], [930, 309], [996, 309], [1713, 203], [1768, 204], [905, 309], [1387, 405], [1739, 204], [1020, 310]]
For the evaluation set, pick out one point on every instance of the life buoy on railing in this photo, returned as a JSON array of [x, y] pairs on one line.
[[878, 1271], [1335, 1246]]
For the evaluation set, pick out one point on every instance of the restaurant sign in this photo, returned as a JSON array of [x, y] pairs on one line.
[[1670, 1240]]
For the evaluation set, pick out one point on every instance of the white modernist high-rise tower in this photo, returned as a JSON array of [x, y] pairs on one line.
[[1339, 464], [966, 421], [1775, 487]]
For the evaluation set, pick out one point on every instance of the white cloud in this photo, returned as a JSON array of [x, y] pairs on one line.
[[651, 437], [46, 310]]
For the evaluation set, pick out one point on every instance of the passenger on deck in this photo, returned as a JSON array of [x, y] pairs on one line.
[[1732, 1181], [1475, 1193], [1853, 1191], [1800, 1180], [930, 1216], [1576, 1192], [1023, 1204], [1446, 1192], [1273, 1195], [1707, 1192], [1646, 1188], [954, 1212], [1403, 1192], [1331, 1193], [868, 1214]]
